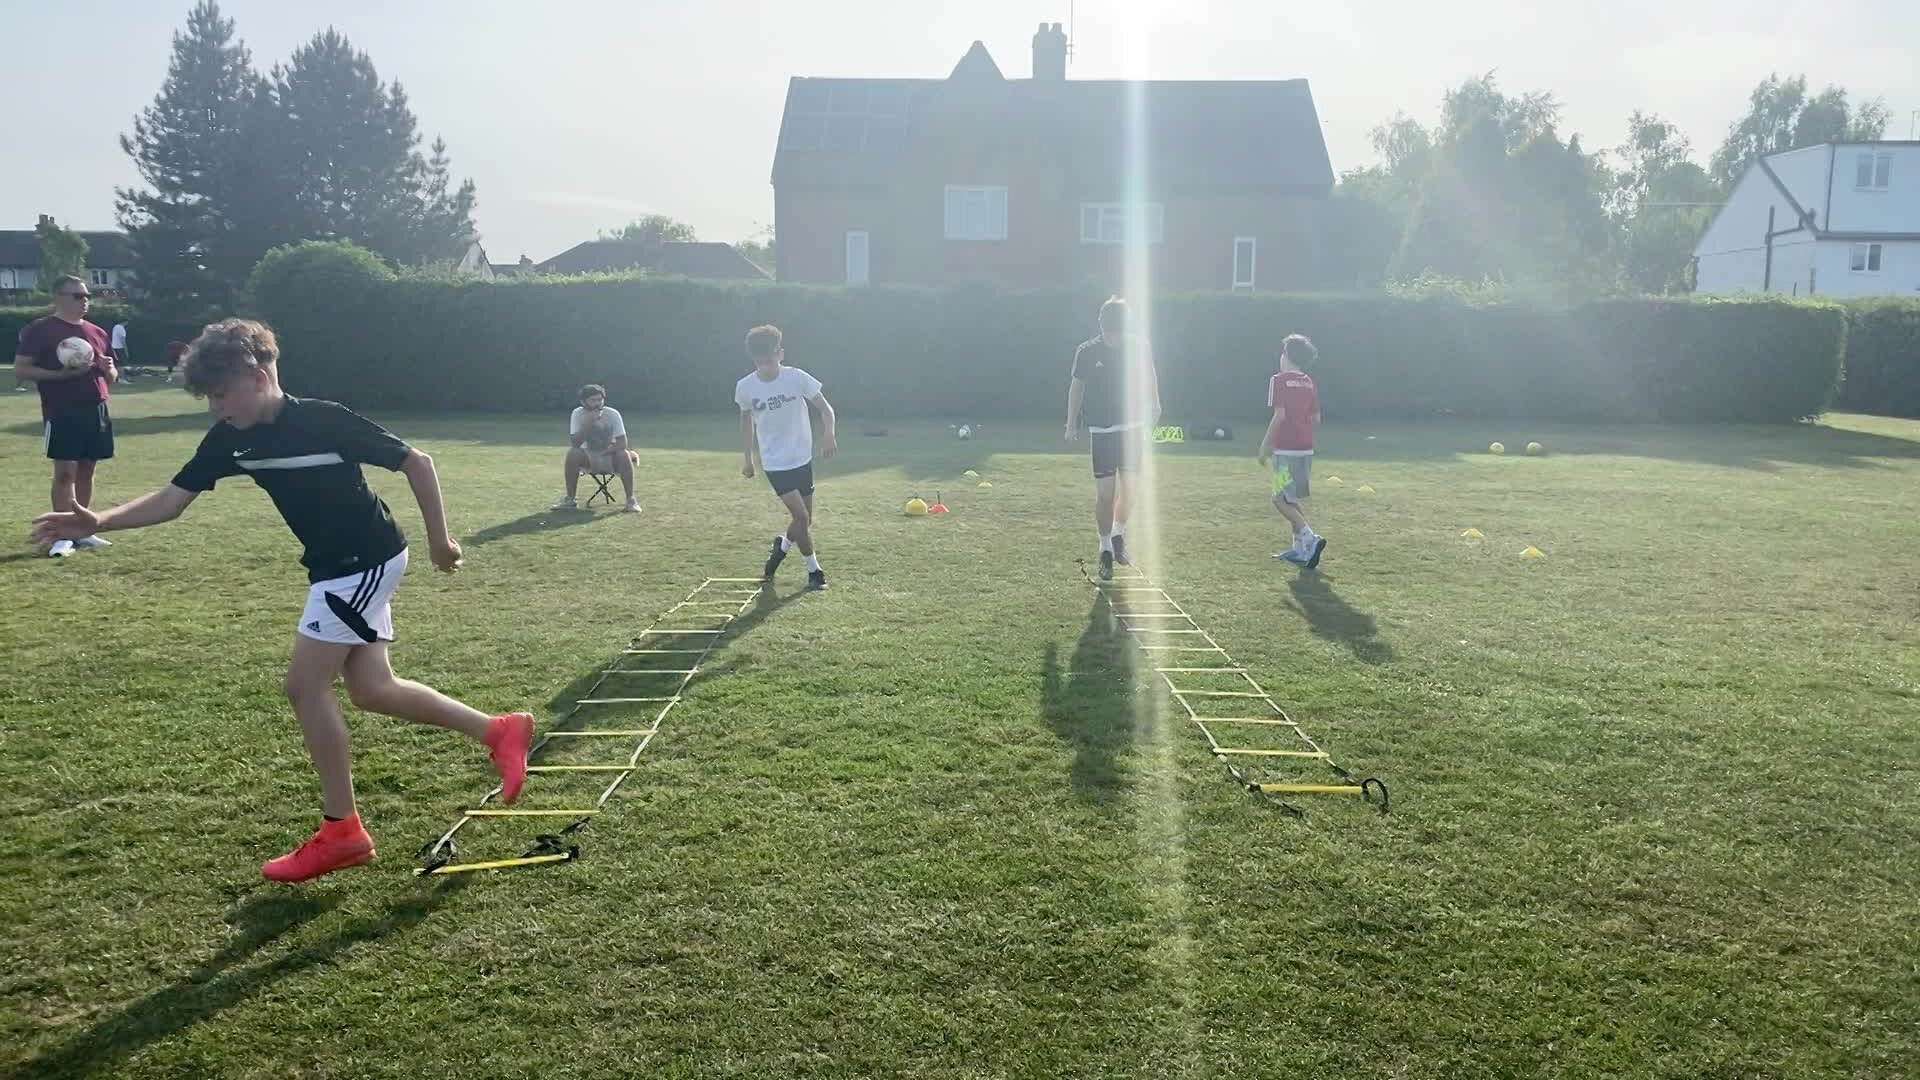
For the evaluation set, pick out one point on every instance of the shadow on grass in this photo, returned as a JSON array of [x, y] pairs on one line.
[[224, 981], [537, 521], [1091, 704], [124, 426], [1330, 617]]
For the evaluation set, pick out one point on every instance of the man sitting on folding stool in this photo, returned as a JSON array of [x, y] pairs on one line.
[[598, 447]]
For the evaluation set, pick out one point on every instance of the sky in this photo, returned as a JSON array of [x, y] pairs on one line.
[[577, 115]]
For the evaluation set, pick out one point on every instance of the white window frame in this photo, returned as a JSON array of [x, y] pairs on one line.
[[100, 278], [976, 212], [1878, 167], [1865, 258], [1253, 263], [6, 278], [864, 265], [1106, 223]]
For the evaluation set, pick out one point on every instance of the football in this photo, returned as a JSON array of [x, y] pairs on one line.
[[74, 353], [966, 432]]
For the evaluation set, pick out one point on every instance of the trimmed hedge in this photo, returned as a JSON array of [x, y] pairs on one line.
[[1883, 358], [667, 345], [147, 334]]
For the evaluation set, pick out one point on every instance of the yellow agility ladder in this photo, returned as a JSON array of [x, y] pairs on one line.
[[1172, 642], [683, 637]]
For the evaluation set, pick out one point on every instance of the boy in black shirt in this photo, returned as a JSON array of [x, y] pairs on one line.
[[1115, 403], [307, 455]]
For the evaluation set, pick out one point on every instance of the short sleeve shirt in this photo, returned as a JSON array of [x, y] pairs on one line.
[[780, 416], [308, 459], [40, 340]]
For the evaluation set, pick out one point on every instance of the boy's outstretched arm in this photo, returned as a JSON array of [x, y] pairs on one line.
[[820, 405], [150, 509], [443, 549]]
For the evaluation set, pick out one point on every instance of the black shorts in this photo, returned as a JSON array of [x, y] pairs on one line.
[[785, 480], [83, 433], [1114, 451]]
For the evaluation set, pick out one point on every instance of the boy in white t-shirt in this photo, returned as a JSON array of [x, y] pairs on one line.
[[773, 404], [598, 443]]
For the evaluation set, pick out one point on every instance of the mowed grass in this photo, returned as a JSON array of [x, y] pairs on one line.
[[1654, 796]]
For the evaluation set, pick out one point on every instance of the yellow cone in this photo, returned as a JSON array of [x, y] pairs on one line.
[[1333, 481], [916, 507], [1365, 489], [1533, 553], [984, 484], [1473, 534], [1496, 448]]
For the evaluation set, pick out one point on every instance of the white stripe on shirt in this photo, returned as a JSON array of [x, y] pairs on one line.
[[304, 461]]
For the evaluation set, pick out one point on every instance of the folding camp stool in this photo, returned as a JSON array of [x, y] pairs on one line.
[[600, 482]]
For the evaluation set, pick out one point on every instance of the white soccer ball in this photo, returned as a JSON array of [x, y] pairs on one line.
[[74, 353], [966, 432]]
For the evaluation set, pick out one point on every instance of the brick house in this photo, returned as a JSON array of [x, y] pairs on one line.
[[1021, 181]]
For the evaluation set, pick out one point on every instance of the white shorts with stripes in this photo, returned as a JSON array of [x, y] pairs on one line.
[[356, 609]]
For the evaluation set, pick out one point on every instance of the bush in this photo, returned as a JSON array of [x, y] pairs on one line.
[[335, 268], [1883, 358], [671, 345], [147, 331]]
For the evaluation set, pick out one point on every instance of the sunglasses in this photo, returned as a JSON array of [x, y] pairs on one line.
[[77, 295]]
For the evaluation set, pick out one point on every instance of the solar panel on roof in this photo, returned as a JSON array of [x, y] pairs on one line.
[[803, 133], [848, 97], [808, 96]]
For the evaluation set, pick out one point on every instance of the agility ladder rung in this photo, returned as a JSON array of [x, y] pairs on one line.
[[1136, 626], [741, 600]]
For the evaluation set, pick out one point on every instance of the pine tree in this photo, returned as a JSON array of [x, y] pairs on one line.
[[189, 248], [347, 150]]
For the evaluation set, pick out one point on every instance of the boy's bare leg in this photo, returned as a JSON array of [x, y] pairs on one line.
[[372, 686], [1104, 498], [799, 529], [1291, 513], [309, 686]]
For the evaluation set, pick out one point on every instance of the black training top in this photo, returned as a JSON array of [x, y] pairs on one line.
[[308, 458], [1102, 366]]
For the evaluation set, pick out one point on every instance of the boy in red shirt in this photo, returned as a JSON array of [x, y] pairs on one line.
[[1289, 445]]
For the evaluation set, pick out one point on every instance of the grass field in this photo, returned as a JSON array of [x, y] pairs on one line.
[[1654, 796]]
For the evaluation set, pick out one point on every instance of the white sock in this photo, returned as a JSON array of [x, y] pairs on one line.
[[813, 563], [785, 543], [1106, 543], [1119, 528]]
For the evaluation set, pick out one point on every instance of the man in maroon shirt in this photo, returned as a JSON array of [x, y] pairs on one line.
[[73, 401]]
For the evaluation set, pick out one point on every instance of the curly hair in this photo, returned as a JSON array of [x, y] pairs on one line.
[[225, 349]]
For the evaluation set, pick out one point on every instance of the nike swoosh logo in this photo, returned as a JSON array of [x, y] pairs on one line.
[[237, 453]]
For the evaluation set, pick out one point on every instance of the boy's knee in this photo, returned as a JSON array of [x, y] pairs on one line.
[[299, 687], [370, 695]]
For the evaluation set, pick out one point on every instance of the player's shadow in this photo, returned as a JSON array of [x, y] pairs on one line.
[[537, 521], [1330, 617], [1091, 704], [225, 979]]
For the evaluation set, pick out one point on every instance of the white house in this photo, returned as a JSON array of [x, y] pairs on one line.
[[109, 260], [1838, 219]]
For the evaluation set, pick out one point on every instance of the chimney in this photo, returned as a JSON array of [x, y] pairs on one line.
[[46, 219], [1050, 54]]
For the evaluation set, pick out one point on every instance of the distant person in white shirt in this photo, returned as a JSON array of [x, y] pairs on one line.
[[598, 443], [773, 402], [118, 343]]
